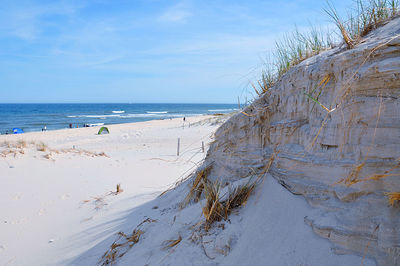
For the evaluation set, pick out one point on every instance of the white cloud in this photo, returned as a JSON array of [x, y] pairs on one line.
[[178, 14], [25, 20]]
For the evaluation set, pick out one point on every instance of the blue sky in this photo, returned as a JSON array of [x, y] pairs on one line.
[[142, 51]]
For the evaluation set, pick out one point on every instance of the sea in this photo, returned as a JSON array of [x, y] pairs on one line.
[[35, 117]]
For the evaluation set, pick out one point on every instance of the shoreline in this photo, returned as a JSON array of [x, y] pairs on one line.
[[33, 118], [189, 119]]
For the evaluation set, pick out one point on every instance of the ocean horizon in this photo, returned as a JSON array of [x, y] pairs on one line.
[[32, 117]]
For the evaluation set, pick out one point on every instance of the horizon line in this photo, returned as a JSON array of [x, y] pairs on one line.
[[113, 103]]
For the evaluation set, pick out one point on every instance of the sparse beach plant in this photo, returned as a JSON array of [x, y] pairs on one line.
[[172, 243], [123, 243], [291, 50], [238, 197], [21, 144], [393, 197], [213, 210], [216, 209], [369, 15], [41, 146], [295, 47], [197, 187]]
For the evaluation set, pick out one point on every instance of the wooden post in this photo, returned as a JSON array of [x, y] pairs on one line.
[[177, 151], [202, 146]]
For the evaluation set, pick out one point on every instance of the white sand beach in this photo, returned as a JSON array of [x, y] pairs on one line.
[[52, 200]]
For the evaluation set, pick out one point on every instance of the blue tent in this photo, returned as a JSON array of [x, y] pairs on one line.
[[17, 130]]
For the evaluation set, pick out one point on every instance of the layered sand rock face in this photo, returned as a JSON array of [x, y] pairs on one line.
[[342, 154]]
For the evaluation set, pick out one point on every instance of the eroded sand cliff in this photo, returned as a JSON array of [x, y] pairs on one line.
[[342, 153]]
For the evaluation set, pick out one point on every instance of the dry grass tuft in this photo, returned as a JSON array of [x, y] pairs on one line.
[[393, 197], [13, 148], [172, 243], [266, 82], [239, 196], [123, 243], [21, 144], [385, 174], [197, 187], [41, 146], [352, 178], [347, 38], [369, 15], [215, 209], [100, 201]]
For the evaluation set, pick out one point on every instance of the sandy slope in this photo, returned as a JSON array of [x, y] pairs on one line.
[[270, 230], [49, 211]]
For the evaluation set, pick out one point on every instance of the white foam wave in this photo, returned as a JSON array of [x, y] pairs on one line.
[[223, 110], [95, 124], [157, 115], [100, 116], [118, 112], [94, 116], [147, 115], [162, 112]]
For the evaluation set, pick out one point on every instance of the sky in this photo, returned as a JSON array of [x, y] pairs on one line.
[[143, 51]]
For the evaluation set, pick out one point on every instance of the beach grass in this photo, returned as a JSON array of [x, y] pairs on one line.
[[297, 46], [123, 243], [218, 207], [368, 15], [172, 243]]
